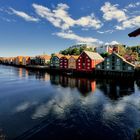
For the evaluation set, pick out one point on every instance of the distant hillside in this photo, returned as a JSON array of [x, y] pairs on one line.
[[75, 51]]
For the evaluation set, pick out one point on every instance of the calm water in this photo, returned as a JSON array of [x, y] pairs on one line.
[[37, 105]]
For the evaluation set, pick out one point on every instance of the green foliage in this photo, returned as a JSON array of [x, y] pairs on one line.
[[52, 54], [74, 51], [106, 54]]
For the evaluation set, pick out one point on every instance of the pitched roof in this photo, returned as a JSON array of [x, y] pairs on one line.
[[123, 59], [44, 56], [59, 55], [94, 55], [67, 56], [75, 56]]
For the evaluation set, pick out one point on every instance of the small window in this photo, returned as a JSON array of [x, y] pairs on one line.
[[108, 63], [113, 68], [118, 60], [129, 68], [113, 64], [107, 67], [107, 60]]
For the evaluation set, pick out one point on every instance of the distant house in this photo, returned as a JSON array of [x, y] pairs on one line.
[[42, 59], [104, 49], [72, 62], [115, 62], [18, 60], [64, 62], [55, 61], [88, 60], [32, 61], [25, 60]]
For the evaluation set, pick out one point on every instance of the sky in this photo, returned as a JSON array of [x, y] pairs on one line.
[[33, 27]]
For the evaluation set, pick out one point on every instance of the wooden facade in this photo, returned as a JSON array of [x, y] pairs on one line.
[[55, 61], [42, 60], [18, 60], [115, 62], [88, 60], [72, 62], [64, 62], [26, 60]]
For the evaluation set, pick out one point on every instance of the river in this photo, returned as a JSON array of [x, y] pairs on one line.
[[36, 105]]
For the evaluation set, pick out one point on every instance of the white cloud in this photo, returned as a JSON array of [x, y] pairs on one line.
[[133, 5], [130, 23], [112, 43], [60, 18], [24, 15], [112, 12], [107, 31], [72, 36]]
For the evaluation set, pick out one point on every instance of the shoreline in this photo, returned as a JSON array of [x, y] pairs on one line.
[[75, 73]]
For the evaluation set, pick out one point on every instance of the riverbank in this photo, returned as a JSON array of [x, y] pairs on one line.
[[73, 72]]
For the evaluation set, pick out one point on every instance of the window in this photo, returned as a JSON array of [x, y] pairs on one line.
[[79, 67], [107, 60], [79, 60], [98, 66], [107, 67], [88, 60], [108, 63], [129, 68], [113, 58], [78, 63], [113, 68], [88, 64], [118, 60], [123, 63]]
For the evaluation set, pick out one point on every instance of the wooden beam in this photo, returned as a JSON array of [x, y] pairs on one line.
[[134, 33]]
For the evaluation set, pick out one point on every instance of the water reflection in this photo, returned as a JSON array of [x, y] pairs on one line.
[[71, 107], [112, 88], [85, 86], [116, 88]]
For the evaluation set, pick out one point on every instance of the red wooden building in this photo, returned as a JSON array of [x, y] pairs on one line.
[[88, 60], [64, 62]]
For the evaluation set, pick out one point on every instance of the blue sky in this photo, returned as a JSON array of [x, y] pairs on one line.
[[32, 27]]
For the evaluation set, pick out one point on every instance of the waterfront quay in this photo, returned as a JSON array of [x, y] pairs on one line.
[[88, 63]]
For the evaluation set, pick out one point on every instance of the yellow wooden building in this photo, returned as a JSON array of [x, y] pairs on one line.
[[72, 62]]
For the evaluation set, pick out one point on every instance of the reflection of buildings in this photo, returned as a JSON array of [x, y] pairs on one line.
[[115, 89], [83, 85], [42, 76], [22, 73]]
